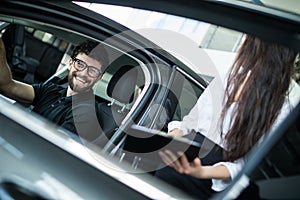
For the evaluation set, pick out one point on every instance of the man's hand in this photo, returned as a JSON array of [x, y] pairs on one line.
[[15, 90]]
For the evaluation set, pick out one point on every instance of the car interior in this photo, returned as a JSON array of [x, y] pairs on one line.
[[38, 53], [36, 56], [32, 60]]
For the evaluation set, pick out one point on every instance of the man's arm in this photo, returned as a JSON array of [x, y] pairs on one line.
[[18, 91]]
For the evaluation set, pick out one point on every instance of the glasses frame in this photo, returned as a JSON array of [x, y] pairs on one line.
[[75, 60]]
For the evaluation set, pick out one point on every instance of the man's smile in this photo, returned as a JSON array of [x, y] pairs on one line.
[[80, 79]]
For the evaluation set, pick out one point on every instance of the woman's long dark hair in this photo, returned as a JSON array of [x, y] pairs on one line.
[[262, 97]]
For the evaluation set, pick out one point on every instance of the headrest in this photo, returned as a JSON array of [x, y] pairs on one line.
[[121, 86]]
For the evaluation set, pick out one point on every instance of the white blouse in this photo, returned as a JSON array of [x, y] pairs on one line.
[[204, 118]]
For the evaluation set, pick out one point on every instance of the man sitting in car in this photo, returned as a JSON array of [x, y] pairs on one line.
[[72, 108]]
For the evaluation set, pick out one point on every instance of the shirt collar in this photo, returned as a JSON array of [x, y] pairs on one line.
[[88, 95]]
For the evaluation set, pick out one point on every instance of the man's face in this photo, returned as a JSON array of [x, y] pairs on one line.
[[80, 80]]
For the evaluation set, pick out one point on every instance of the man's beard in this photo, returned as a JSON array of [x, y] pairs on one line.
[[75, 88]]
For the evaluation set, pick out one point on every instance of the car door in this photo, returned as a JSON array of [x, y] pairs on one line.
[[159, 72]]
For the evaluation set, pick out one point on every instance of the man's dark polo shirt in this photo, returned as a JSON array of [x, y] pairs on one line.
[[75, 113]]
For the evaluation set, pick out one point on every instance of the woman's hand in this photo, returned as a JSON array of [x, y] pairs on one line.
[[176, 132], [180, 163]]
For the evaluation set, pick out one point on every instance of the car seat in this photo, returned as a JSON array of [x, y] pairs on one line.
[[22, 66], [121, 89], [31, 60]]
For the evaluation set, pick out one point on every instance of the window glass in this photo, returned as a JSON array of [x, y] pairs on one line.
[[187, 99], [43, 36], [204, 34], [292, 6], [219, 43]]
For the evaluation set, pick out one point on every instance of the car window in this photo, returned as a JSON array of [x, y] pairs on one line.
[[187, 99], [220, 43], [50, 48], [52, 53]]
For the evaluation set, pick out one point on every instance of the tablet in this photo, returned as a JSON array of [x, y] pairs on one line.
[[146, 141]]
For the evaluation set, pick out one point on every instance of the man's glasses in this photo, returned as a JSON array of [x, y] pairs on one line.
[[81, 65]]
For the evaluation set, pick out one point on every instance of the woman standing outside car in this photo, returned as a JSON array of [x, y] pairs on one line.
[[255, 102]]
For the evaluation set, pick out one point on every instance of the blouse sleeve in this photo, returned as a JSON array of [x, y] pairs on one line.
[[233, 167]]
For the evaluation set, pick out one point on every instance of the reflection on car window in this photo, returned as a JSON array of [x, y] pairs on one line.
[[204, 34], [43, 36], [291, 6]]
